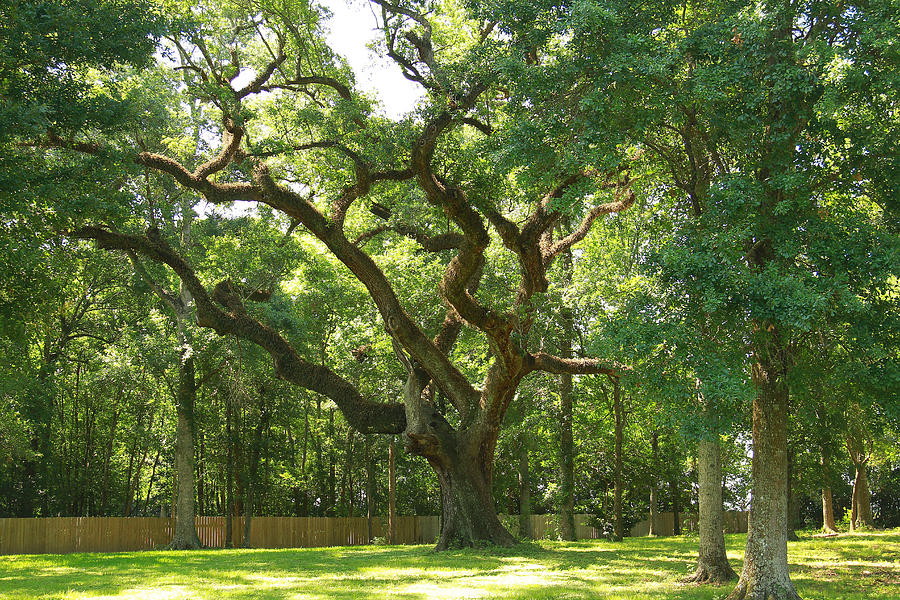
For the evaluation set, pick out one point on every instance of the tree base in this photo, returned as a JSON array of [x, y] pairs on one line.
[[744, 591], [457, 541], [184, 545], [180, 543], [712, 574]]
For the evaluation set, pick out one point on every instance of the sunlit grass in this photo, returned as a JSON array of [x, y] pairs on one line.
[[847, 567]]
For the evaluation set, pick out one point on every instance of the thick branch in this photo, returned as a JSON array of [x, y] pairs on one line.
[[363, 415], [575, 366]]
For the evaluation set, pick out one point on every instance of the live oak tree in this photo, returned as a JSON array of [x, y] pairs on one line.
[[277, 49]]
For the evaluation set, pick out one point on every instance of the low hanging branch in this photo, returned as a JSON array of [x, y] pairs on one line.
[[361, 414]]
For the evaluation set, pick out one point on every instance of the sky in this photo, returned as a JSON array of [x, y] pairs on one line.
[[352, 27]]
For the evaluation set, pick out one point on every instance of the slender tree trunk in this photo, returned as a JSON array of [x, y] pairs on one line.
[[525, 530], [861, 515], [766, 575], [654, 482], [619, 432], [150, 482], [332, 476], [185, 527], [676, 507], [229, 473], [712, 564], [828, 525], [392, 492], [792, 504], [248, 516], [198, 475], [370, 487], [566, 444], [107, 458]]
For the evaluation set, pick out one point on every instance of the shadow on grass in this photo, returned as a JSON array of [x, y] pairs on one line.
[[635, 569]]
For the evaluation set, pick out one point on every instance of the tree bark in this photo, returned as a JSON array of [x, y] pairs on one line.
[[468, 517], [861, 515], [859, 445], [185, 528], [525, 530], [712, 564], [654, 482], [766, 575]]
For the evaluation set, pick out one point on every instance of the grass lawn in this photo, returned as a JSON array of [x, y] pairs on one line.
[[846, 567]]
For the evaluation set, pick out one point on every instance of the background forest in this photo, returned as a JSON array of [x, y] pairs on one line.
[[637, 227]]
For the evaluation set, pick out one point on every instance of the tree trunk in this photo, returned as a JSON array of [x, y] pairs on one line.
[[861, 515], [392, 492], [566, 444], [792, 504], [331, 503], [654, 483], [150, 483], [620, 426], [370, 487], [828, 525], [229, 473], [185, 527], [712, 564], [468, 517], [525, 531], [566, 461], [765, 575], [676, 508]]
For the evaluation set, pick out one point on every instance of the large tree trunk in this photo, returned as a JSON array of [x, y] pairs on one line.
[[765, 575], [185, 528], [654, 482], [525, 530], [468, 517], [712, 564], [463, 461]]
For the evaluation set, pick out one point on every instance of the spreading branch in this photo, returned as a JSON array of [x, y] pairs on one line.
[[363, 415]]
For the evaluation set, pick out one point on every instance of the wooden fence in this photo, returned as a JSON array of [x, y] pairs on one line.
[[61, 535], [735, 522]]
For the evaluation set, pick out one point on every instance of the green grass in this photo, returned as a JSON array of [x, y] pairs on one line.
[[846, 568]]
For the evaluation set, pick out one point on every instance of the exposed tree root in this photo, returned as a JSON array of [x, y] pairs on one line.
[[711, 575]]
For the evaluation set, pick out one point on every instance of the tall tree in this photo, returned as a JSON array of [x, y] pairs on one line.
[[251, 164]]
